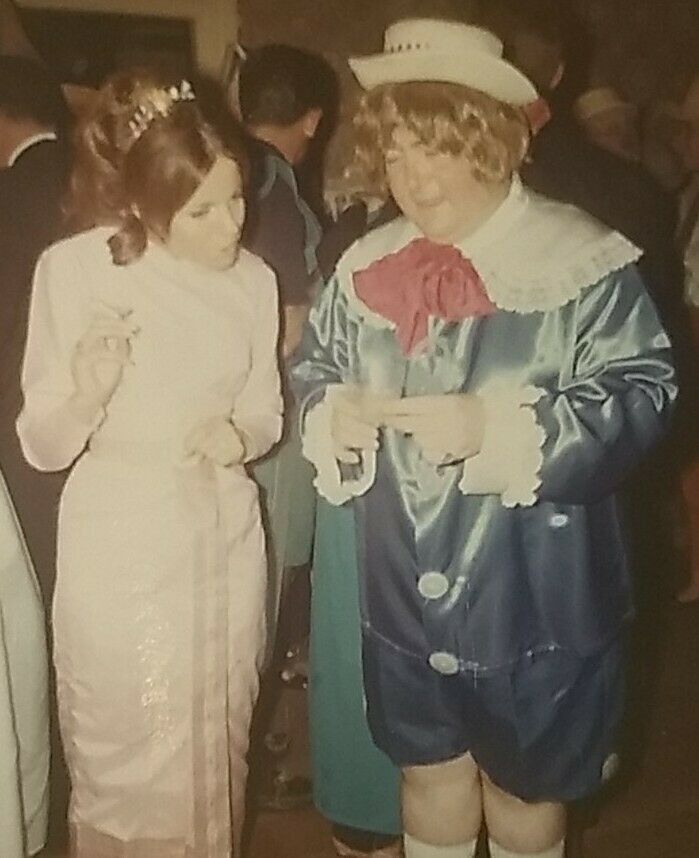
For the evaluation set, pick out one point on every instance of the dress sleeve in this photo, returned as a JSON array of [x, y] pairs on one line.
[[258, 407], [576, 442], [318, 371], [51, 434]]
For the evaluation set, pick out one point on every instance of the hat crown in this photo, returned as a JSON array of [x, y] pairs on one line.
[[451, 37], [429, 49]]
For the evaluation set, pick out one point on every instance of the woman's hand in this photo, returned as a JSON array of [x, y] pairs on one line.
[[354, 423], [98, 363], [448, 427], [216, 439]]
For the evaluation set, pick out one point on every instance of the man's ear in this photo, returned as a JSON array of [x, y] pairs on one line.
[[310, 122], [557, 75]]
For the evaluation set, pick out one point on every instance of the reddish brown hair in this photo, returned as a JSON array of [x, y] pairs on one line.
[[137, 185], [445, 117]]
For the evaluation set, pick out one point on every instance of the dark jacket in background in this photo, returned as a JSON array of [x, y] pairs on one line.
[[567, 167], [31, 195], [280, 227]]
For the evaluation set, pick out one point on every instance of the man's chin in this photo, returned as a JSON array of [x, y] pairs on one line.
[[437, 231]]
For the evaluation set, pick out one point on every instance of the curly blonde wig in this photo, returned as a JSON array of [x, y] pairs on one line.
[[445, 117]]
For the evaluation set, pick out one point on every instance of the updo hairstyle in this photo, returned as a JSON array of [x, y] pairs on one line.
[[137, 178]]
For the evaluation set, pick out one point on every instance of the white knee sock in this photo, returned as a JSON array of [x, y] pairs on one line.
[[556, 851], [415, 849]]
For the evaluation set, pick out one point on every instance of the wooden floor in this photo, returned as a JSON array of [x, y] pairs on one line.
[[654, 815]]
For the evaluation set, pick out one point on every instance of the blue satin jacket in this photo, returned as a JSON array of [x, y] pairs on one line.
[[451, 565]]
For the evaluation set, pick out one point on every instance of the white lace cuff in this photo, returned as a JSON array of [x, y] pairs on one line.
[[317, 445], [510, 459]]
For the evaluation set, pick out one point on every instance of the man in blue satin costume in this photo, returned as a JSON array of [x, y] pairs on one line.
[[477, 380]]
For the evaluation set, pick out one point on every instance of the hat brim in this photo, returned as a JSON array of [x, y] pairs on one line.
[[491, 75]]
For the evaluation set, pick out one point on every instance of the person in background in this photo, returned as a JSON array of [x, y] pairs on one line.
[[551, 44], [688, 245], [564, 165], [476, 381], [35, 162], [287, 100], [151, 366], [660, 128], [13, 38], [24, 707], [609, 121], [687, 235]]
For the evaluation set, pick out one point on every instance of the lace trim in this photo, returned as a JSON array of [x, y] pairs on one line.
[[510, 460], [563, 250], [549, 291], [317, 447]]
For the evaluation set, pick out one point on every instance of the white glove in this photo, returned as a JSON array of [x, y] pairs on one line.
[[354, 423], [216, 439], [448, 427], [98, 362]]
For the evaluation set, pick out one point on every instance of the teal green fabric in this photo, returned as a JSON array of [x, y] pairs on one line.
[[288, 502], [286, 482], [354, 783]]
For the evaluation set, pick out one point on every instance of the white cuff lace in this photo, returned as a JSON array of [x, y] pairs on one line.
[[317, 447], [510, 459]]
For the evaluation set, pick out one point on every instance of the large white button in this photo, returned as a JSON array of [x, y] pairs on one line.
[[445, 663], [433, 585], [560, 519]]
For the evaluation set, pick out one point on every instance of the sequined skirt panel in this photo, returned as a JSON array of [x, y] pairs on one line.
[[159, 629]]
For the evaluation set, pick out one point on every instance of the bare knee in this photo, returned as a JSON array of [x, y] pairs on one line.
[[442, 802], [518, 825]]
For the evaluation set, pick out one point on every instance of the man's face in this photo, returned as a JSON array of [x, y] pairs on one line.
[[437, 191], [207, 228], [616, 131]]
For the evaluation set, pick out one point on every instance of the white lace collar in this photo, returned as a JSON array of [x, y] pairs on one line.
[[533, 254]]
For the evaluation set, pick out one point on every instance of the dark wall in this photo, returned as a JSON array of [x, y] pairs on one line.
[[645, 47]]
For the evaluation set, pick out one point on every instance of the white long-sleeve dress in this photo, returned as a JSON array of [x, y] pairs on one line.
[[159, 604]]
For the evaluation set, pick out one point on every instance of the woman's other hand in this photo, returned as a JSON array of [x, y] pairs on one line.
[[98, 363], [218, 440], [448, 427]]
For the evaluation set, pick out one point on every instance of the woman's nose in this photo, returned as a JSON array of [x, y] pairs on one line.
[[231, 218]]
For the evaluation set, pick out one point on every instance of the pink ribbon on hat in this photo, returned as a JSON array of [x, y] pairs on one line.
[[423, 279], [538, 114]]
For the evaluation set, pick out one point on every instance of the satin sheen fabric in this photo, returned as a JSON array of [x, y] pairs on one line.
[[523, 578]]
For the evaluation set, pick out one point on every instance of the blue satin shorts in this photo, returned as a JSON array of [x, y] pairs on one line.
[[545, 729]]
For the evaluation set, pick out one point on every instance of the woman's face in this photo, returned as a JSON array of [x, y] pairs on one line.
[[207, 228], [437, 191]]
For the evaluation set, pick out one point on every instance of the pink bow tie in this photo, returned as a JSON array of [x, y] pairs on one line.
[[423, 279]]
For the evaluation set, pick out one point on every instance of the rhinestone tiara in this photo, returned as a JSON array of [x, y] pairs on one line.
[[158, 102]]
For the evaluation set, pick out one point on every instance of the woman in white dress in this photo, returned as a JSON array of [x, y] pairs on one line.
[[151, 363]]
